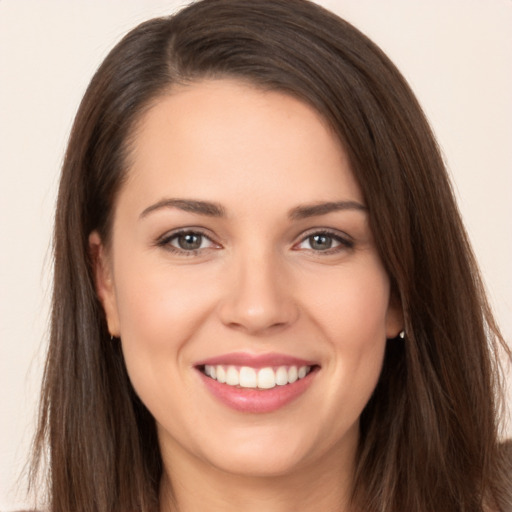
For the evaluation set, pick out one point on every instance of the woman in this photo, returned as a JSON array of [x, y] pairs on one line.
[[264, 297]]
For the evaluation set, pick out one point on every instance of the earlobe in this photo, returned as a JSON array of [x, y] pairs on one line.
[[394, 318], [104, 282]]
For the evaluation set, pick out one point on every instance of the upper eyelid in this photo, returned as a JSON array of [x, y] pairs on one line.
[[345, 242], [325, 231], [166, 242], [168, 235]]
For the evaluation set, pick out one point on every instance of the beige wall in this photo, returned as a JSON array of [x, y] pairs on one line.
[[455, 53]]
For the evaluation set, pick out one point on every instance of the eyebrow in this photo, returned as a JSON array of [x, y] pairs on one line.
[[317, 209], [187, 205], [216, 210]]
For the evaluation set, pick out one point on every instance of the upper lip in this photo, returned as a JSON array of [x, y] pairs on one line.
[[255, 360]]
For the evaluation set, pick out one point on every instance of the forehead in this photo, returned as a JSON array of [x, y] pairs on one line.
[[223, 140]]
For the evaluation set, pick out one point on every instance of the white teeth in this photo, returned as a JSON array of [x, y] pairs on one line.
[[221, 374], [264, 378], [232, 376], [282, 376], [247, 377]]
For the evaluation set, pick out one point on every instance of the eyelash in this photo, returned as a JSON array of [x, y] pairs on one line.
[[166, 241], [344, 241]]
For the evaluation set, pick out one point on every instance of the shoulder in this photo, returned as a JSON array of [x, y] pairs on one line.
[[505, 456], [504, 478]]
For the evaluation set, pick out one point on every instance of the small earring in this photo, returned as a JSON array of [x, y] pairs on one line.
[[401, 335]]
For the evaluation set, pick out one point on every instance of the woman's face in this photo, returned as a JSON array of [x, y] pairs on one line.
[[241, 247]]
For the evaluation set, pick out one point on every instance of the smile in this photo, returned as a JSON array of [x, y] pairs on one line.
[[257, 384], [262, 378]]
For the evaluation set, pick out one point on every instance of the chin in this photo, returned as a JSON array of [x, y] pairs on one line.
[[257, 463], [261, 452]]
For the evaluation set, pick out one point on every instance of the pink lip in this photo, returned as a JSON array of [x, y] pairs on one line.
[[253, 400], [256, 360]]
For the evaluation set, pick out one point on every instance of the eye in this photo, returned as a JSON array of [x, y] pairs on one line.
[[324, 241], [188, 241], [320, 242]]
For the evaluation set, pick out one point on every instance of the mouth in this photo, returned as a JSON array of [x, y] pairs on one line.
[[257, 384], [256, 378]]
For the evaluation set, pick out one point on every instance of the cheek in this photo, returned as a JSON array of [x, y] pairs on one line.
[[159, 313], [352, 316], [156, 304], [353, 306]]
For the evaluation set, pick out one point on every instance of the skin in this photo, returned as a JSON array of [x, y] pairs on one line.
[[257, 284]]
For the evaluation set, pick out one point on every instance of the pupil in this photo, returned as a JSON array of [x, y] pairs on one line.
[[189, 241], [321, 242]]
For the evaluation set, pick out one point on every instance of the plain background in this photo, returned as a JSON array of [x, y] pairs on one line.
[[456, 54]]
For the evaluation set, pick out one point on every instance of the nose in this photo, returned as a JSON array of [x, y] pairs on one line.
[[260, 297]]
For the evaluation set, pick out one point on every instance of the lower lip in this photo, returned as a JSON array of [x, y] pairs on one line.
[[255, 400]]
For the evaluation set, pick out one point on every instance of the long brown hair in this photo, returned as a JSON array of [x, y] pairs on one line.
[[429, 434]]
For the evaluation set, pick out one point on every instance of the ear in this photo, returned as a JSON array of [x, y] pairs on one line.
[[104, 282], [394, 317]]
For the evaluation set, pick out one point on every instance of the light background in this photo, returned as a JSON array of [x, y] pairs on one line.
[[456, 54]]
